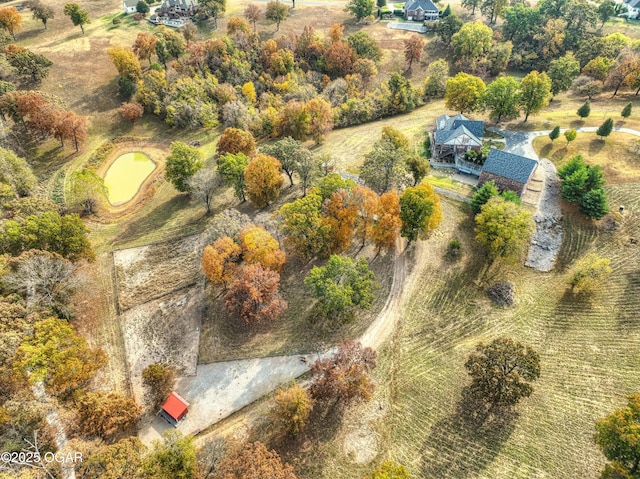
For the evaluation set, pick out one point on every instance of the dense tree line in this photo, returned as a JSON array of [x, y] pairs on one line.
[[43, 116], [297, 85]]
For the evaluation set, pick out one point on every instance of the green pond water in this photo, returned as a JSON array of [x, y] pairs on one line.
[[125, 175]]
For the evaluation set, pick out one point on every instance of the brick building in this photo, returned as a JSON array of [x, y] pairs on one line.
[[508, 171]]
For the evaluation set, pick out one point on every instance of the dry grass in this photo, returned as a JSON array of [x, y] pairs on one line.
[[562, 111], [447, 183], [149, 272], [225, 336], [587, 346], [620, 165]]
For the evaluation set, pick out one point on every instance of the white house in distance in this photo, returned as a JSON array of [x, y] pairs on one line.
[[129, 6], [633, 8]]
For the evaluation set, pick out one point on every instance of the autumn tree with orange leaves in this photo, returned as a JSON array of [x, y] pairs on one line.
[[413, 47], [10, 20], [106, 414], [237, 24], [145, 46], [320, 118], [340, 59], [292, 408], [386, 230], [259, 246], [344, 377], [367, 203], [252, 462], [254, 296], [220, 260], [131, 111], [339, 215], [78, 126], [235, 140], [41, 115], [263, 180]]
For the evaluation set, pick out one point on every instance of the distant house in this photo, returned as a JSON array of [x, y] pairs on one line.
[[508, 171], [420, 10], [175, 13], [129, 6], [174, 409], [453, 137], [633, 8]]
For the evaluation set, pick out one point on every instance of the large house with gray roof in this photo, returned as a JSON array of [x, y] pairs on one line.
[[420, 10], [453, 137], [507, 171], [175, 13], [456, 138]]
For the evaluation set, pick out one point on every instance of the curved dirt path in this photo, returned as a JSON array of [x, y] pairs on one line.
[[220, 389]]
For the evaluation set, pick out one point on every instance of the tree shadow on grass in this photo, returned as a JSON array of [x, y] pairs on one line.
[[153, 221], [462, 445], [570, 306], [628, 314], [577, 123], [595, 146], [546, 149], [308, 450]]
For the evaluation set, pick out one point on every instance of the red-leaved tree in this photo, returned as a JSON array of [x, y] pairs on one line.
[[344, 377], [253, 294]]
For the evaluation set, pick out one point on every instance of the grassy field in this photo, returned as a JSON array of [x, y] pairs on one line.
[[225, 336], [587, 345], [450, 184], [619, 163]]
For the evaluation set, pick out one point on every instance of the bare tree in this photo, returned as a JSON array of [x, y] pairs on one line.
[[45, 279], [202, 186]]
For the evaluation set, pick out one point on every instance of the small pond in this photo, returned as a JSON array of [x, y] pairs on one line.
[[125, 175]]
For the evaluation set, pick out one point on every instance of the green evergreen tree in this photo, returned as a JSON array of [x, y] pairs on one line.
[[585, 110], [573, 186], [484, 194], [594, 204], [447, 11], [555, 133], [626, 111], [511, 196], [605, 129], [142, 7]]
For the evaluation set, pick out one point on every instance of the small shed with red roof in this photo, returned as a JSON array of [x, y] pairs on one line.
[[174, 409]]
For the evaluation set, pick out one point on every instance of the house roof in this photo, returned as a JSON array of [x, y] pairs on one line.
[[632, 3], [426, 5], [184, 4], [474, 126], [445, 122], [460, 131], [449, 127], [175, 406], [510, 166], [130, 3]]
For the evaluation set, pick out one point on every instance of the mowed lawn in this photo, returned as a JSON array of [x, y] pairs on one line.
[[614, 153], [588, 347]]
